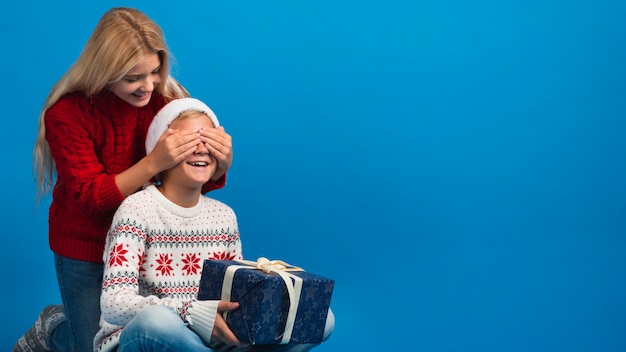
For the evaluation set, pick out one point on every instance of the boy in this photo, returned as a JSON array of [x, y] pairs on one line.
[[157, 242], [154, 252]]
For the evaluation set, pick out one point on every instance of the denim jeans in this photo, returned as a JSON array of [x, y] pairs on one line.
[[159, 328], [80, 283]]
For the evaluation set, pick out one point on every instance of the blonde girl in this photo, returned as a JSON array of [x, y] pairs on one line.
[[90, 152]]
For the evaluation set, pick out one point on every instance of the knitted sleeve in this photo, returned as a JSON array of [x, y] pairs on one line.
[[235, 246], [200, 315], [72, 147]]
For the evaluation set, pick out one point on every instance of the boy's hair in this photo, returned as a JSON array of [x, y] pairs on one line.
[[122, 38], [169, 113]]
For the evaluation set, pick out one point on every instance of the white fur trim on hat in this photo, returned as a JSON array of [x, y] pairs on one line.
[[169, 112]]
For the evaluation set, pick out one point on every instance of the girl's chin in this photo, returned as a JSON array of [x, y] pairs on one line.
[[139, 101]]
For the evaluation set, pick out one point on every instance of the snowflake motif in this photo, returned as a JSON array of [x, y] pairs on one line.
[[140, 263], [221, 256], [192, 265], [116, 256], [164, 265]]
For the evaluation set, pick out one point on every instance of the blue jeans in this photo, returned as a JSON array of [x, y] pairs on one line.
[[80, 283], [159, 328]]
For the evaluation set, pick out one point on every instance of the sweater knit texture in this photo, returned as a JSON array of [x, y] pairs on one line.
[[154, 255], [92, 139]]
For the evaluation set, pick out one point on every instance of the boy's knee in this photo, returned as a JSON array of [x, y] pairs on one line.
[[330, 325], [155, 318]]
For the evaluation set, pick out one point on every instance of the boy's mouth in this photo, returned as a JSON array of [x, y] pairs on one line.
[[198, 163]]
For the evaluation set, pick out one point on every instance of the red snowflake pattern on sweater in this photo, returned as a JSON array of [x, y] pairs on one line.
[[140, 258], [191, 263], [164, 264], [222, 256], [116, 256]]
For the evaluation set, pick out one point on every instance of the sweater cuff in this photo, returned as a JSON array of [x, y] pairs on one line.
[[200, 316], [111, 197]]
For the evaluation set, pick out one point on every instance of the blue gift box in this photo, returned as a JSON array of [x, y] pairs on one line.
[[266, 314]]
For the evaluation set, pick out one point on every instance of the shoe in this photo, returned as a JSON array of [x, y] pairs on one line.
[[37, 337]]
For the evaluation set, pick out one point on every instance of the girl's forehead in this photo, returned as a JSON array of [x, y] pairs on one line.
[[147, 64]]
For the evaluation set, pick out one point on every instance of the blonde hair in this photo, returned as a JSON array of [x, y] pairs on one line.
[[122, 38]]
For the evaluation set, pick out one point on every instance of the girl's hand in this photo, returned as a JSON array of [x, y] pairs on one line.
[[220, 145], [173, 147], [221, 331]]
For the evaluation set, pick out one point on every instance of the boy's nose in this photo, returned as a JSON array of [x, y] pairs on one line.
[[202, 149]]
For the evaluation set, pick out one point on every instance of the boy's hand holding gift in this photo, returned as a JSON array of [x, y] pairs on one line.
[[278, 303]]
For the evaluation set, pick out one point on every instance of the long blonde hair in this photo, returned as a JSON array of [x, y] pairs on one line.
[[122, 37]]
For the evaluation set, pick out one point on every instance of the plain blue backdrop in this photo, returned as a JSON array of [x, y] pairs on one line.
[[458, 167]]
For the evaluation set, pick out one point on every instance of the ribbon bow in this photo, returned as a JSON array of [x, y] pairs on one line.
[[272, 265]]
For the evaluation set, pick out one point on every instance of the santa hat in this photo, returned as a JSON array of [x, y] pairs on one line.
[[169, 112]]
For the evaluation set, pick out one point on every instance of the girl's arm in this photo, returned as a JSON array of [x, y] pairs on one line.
[[172, 148]]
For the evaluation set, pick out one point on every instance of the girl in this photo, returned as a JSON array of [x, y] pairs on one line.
[[91, 139]]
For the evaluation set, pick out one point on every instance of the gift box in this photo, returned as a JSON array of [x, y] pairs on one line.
[[278, 303]]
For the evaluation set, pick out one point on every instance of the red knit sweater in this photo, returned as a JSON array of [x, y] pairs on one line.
[[92, 139]]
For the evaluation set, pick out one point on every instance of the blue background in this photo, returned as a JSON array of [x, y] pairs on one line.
[[456, 166]]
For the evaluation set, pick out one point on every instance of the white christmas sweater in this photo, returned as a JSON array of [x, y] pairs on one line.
[[154, 254]]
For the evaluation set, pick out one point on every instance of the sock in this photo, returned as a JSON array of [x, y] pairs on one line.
[[37, 337]]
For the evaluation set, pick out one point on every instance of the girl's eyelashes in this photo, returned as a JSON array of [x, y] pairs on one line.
[[133, 79]]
